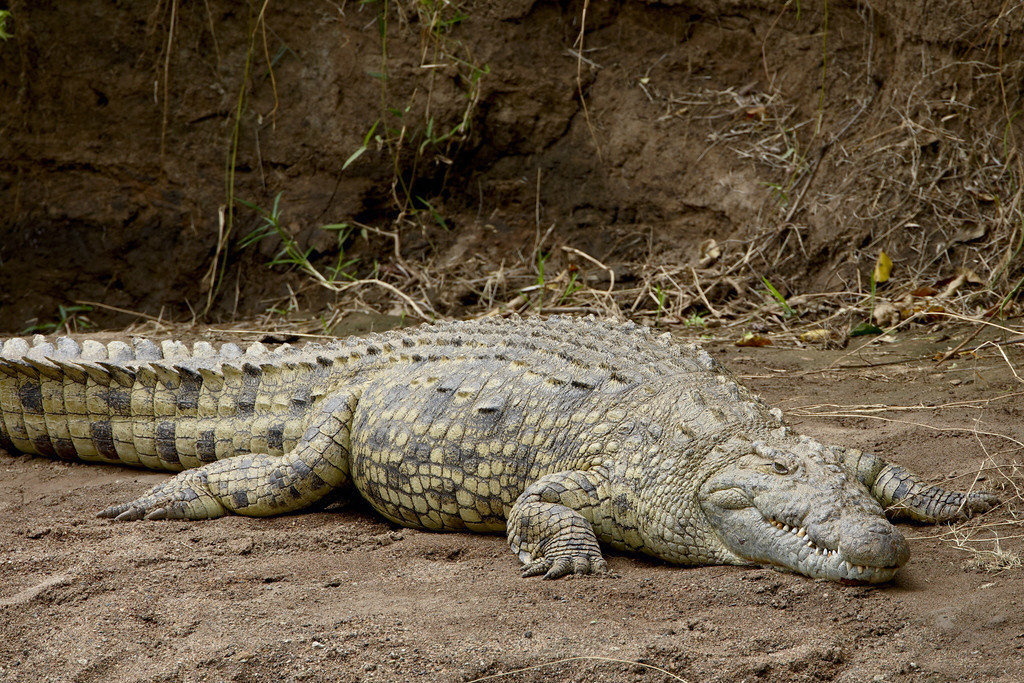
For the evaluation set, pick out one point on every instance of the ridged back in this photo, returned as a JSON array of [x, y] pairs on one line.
[[168, 407]]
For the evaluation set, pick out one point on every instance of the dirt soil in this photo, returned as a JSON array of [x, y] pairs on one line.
[[340, 595]]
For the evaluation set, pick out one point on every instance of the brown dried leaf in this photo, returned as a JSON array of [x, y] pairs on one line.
[[934, 308], [757, 113], [972, 277], [819, 336], [753, 339], [709, 252], [886, 314], [954, 285], [969, 233], [980, 194]]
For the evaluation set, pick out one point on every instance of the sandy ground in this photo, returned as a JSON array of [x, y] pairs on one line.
[[340, 595]]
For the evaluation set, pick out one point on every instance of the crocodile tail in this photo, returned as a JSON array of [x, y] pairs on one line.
[[160, 406], [905, 496]]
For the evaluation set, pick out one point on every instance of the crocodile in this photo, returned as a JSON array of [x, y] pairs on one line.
[[563, 433]]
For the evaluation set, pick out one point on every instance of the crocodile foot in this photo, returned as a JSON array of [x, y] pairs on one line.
[[186, 496], [563, 565], [944, 506], [553, 540], [906, 497]]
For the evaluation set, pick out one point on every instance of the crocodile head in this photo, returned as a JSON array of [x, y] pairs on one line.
[[792, 505]]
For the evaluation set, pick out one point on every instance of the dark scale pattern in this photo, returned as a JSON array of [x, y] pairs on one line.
[[31, 396], [562, 432]]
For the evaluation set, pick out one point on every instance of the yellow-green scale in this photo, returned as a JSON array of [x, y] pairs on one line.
[[454, 452]]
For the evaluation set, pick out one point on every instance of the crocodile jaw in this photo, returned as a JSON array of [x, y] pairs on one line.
[[756, 538]]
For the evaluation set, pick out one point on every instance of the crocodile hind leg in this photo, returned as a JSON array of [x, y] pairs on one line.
[[256, 484], [551, 525], [904, 496]]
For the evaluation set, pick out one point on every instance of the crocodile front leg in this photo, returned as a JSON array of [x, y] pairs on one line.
[[904, 496], [551, 525], [257, 484]]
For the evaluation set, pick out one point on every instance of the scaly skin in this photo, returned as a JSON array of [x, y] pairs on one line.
[[562, 433]]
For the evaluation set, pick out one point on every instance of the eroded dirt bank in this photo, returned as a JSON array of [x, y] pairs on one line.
[[802, 138], [340, 595]]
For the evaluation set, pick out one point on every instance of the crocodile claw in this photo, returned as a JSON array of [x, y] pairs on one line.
[[159, 513], [131, 512], [122, 513], [186, 496], [562, 566]]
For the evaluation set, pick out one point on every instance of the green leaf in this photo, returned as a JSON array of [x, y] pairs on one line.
[[355, 155], [362, 148], [865, 329], [4, 16], [786, 309]]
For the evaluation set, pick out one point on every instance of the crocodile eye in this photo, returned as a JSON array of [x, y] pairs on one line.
[[780, 467]]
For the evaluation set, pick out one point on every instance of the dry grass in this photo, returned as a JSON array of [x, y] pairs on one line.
[[984, 541]]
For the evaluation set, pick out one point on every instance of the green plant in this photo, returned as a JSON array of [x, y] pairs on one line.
[[442, 15], [438, 218], [256, 26], [291, 255], [271, 226], [409, 131], [571, 288], [342, 266], [659, 295], [786, 310], [778, 193], [5, 14], [695, 320], [69, 319], [542, 258], [362, 148], [868, 327], [540, 284]]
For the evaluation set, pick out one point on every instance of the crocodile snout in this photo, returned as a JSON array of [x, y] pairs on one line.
[[872, 542]]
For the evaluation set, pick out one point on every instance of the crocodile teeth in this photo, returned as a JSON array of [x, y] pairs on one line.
[[809, 544], [801, 532], [785, 527], [792, 530]]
